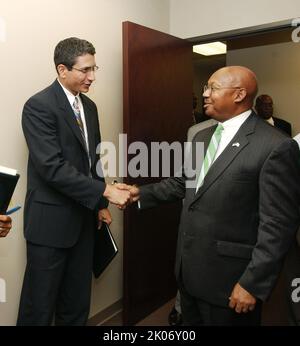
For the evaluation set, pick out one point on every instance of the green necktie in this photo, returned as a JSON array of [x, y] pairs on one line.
[[210, 154]]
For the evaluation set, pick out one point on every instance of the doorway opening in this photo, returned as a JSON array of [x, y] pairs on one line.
[[271, 51]]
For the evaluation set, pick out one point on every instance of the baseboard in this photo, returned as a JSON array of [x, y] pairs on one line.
[[106, 314]]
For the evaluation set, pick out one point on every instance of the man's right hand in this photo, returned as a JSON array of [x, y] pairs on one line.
[[117, 196]]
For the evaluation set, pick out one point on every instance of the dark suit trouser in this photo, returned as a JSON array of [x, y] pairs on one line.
[[197, 312], [57, 282]]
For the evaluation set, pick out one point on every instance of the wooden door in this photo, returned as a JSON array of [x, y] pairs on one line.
[[157, 82]]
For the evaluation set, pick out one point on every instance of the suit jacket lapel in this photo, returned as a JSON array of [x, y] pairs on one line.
[[228, 155], [67, 112]]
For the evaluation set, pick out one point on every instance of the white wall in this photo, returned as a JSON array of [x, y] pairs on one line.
[[278, 73], [191, 18], [33, 28]]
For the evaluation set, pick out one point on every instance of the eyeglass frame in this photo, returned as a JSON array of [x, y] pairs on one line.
[[214, 88], [86, 70]]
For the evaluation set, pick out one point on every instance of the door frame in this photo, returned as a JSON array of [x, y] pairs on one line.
[[243, 32]]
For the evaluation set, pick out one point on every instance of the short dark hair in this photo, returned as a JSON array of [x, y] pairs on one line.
[[261, 99], [71, 48]]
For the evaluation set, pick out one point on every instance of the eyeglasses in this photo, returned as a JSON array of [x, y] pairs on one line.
[[212, 88], [86, 69]]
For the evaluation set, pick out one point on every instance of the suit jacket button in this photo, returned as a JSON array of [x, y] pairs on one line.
[[191, 208]]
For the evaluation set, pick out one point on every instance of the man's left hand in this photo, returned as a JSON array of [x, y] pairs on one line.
[[104, 216], [241, 300]]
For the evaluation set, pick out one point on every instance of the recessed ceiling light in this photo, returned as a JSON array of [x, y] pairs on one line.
[[213, 48]]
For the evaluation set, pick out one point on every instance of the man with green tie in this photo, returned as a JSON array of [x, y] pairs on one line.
[[240, 216]]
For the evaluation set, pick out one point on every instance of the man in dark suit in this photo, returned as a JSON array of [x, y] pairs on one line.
[[264, 108], [5, 225], [238, 219], [66, 197]]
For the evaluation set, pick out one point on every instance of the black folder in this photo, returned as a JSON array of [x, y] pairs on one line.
[[7, 187], [105, 249]]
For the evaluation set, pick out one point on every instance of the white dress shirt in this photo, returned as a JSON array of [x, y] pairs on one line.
[[271, 121], [297, 139], [71, 99], [231, 127]]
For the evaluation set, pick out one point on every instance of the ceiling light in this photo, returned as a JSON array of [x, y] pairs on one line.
[[213, 48]]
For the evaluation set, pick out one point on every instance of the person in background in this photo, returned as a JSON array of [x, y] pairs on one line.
[[264, 108], [66, 197], [195, 113], [197, 116], [5, 225]]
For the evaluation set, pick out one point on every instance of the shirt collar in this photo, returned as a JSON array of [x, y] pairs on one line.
[[70, 96], [236, 121], [271, 121]]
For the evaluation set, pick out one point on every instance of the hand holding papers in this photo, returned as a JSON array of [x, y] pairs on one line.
[[5, 225], [8, 182]]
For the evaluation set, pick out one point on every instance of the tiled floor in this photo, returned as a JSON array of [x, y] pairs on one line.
[[157, 318]]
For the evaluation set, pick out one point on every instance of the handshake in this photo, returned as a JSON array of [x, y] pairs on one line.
[[121, 195]]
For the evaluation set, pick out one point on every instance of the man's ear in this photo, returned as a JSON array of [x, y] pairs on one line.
[[62, 70], [240, 95]]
